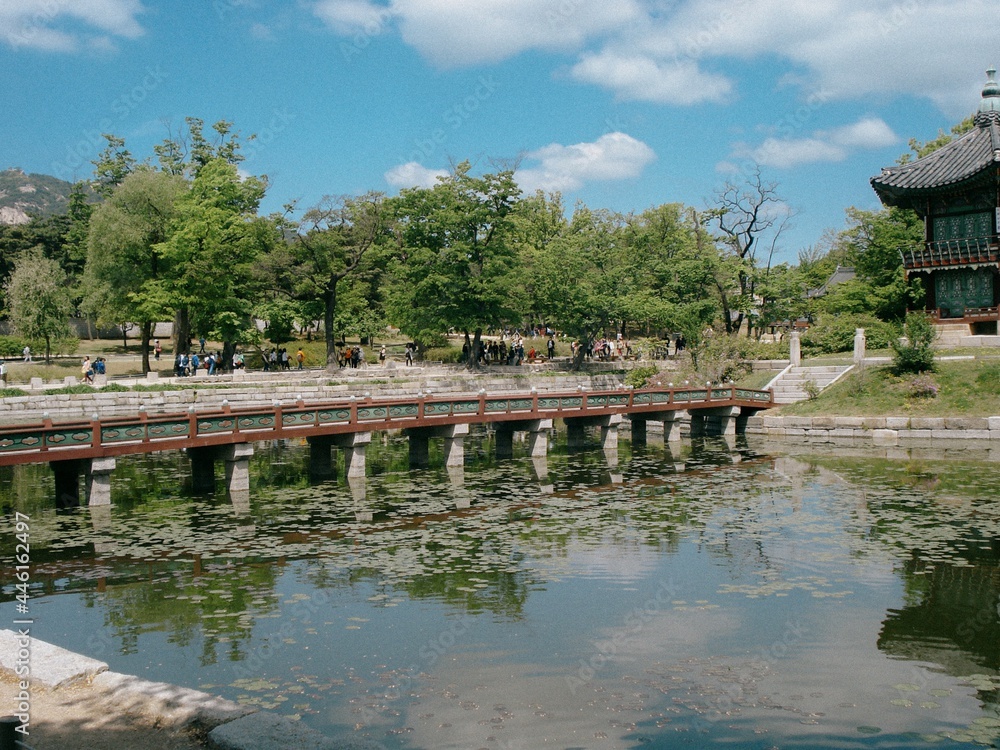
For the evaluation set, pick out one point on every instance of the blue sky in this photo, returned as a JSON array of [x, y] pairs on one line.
[[620, 104]]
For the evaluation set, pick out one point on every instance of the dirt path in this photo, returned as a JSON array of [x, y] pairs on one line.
[[84, 717]]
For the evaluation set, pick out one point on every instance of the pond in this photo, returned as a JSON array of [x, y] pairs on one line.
[[710, 594]]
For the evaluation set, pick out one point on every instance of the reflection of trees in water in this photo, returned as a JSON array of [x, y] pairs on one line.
[[950, 616], [204, 602]]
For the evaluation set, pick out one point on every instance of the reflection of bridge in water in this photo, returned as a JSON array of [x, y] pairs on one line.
[[89, 448]]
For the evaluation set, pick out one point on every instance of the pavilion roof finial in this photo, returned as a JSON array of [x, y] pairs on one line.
[[991, 92]]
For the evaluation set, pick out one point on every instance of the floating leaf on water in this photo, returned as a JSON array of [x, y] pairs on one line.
[[939, 692], [930, 704], [904, 687], [869, 730], [986, 721], [902, 702]]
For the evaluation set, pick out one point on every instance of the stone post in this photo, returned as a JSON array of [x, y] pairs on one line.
[[859, 346], [795, 349], [202, 469]]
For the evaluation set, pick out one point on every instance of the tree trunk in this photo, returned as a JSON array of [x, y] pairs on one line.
[[329, 310], [182, 330], [48, 350], [147, 334], [124, 339], [477, 341]]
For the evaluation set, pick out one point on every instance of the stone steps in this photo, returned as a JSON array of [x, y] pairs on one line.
[[791, 386]]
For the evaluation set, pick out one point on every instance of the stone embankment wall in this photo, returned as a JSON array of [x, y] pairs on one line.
[[878, 430], [264, 391]]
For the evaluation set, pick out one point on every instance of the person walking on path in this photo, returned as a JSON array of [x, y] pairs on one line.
[[381, 356], [26, 353], [300, 357], [551, 344]]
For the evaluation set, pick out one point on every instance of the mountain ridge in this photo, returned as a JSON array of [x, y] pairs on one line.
[[24, 196]]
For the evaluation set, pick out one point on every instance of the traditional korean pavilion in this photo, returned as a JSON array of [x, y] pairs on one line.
[[956, 191]]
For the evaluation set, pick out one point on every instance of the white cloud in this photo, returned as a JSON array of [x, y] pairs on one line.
[[65, 26], [615, 156], [671, 51], [821, 146], [353, 16], [646, 79], [413, 174], [457, 32]]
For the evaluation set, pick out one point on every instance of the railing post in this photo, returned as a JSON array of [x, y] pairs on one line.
[[95, 427]]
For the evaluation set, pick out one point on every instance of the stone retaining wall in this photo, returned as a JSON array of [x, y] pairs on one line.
[[879, 430]]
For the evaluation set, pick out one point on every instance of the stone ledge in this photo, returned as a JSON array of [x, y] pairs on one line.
[[51, 666], [174, 703]]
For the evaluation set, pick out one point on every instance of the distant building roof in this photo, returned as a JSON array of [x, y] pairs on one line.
[[839, 276], [969, 160]]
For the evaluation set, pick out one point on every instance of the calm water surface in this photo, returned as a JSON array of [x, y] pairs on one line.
[[713, 595]]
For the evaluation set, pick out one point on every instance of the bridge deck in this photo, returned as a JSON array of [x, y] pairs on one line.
[[114, 436]]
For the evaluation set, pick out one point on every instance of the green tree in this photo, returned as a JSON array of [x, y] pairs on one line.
[[39, 301], [457, 256], [212, 246], [125, 267], [331, 244], [872, 244]]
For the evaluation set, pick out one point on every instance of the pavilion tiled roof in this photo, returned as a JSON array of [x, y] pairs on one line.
[[963, 160]]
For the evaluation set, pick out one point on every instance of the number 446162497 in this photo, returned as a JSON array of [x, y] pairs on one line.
[[22, 556]]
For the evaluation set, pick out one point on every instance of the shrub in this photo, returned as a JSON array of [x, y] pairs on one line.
[[446, 354], [923, 386], [916, 352], [639, 377], [12, 346]]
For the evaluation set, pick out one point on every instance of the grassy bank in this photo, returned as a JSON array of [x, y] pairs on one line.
[[963, 388]]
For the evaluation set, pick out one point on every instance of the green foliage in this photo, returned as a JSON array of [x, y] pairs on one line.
[[916, 352], [449, 355], [835, 333], [38, 299], [872, 244], [457, 259], [639, 377], [12, 392], [13, 346]]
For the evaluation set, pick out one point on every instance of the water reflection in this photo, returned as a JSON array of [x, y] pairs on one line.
[[709, 592]]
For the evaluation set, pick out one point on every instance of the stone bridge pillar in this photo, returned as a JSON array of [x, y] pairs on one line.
[[718, 420], [98, 480], [576, 430], [671, 421], [67, 475], [321, 465], [237, 458], [538, 439], [353, 445], [454, 444]]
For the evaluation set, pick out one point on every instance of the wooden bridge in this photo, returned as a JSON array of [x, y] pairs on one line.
[[89, 448]]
